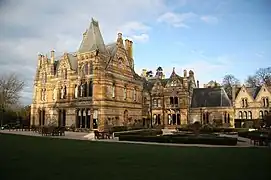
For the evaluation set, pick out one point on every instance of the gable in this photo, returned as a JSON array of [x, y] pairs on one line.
[[263, 92], [157, 85], [244, 93], [174, 82]]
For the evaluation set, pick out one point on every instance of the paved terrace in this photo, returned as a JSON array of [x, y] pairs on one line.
[[242, 142]]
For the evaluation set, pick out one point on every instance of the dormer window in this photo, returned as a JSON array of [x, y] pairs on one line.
[[244, 102], [265, 102]]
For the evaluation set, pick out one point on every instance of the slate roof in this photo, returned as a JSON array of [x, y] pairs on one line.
[[210, 97], [72, 61], [93, 39]]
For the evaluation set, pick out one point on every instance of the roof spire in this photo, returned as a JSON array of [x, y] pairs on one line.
[[92, 39]]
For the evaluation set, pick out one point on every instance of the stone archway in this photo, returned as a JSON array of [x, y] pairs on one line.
[[125, 117]]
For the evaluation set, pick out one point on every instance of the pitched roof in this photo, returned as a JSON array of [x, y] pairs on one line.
[[71, 59], [252, 91], [210, 97], [92, 39]]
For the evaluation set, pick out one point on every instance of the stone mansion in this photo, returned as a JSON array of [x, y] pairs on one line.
[[97, 87]]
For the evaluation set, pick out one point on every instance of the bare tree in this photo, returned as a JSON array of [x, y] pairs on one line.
[[262, 76], [10, 88], [228, 82], [252, 81]]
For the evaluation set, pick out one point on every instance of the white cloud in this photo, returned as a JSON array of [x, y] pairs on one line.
[[31, 27], [136, 31], [209, 19], [177, 20], [140, 38]]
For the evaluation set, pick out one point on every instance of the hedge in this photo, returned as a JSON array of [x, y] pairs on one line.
[[143, 132], [213, 130], [181, 140]]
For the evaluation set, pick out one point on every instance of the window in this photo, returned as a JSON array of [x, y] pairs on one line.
[[265, 112], [240, 115], [65, 74], [265, 102], [263, 99], [90, 88], [176, 100], [154, 103], [134, 94], [154, 120], [86, 69], [75, 91], [90, 68], [261, 115], [113, 90], [249, 115], [159, 102], [244, 102], [245, 115], [171, 100], [125, 93]]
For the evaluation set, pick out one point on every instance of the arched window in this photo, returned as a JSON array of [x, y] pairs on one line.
[[245, 115], [265, 112], [159, 102], [134, 92], [176, 100], [86, 69], [113, 90], [45, 77], [240, 115], [261, 115], [65, 74], [90, 68], [249, 115]]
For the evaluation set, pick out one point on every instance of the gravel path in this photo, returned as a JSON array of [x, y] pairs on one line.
[[243, 142]]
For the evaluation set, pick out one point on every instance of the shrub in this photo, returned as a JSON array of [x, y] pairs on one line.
[[144, 132]]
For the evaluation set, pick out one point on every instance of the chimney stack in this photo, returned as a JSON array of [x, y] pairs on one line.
[[185, 73], [197, 83], [52, 56], [129, 47]]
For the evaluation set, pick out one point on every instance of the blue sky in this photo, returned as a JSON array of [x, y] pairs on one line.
[[211, 37]]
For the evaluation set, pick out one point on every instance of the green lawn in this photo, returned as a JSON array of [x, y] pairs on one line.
[[39, 158]]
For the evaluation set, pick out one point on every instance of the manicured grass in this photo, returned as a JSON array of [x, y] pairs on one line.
[[24, 157]]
